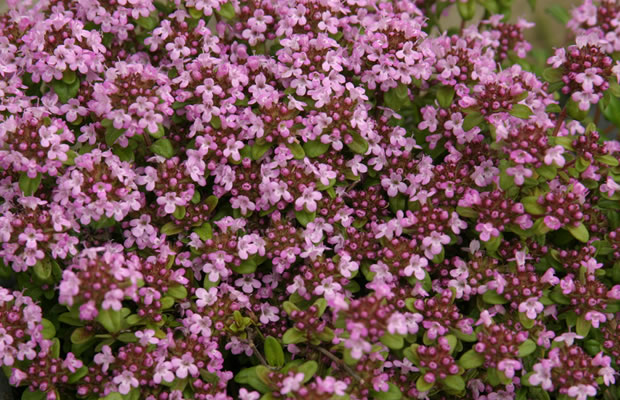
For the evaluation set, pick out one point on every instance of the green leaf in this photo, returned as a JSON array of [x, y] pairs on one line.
[[472, 119], [530, 203], [297, 150], [359, 145], [525, 321], [273, 352], [575, 112], [69, 76], [467, 10], [422, 385], [49, 330], [471, 359], [492, 297], [170, 228], [65, 91], [308, 368], [583, 326], [227, 11], [178, 292], [315, 148], [110, 319], [111, 134], [607, 159], [526, 348], [579, 232], [148, 23], [78, 375], [547, 171], [205, 231], [559, 13], [445, 95], [305, 217], [258, 150], [454, 382], [247, 266], [520, 111], [395, 342], [35, 395], [179, 212], [113, 396], [43, 269], [293, 336], [249, 376], [163, 147], [29, 185], [552, 74]]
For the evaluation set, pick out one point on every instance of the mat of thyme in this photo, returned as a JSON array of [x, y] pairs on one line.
[[308, 199]]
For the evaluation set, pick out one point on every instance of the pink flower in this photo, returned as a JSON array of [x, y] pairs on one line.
[[487, 230], [245, 395], [581, 391], [125, 382], [531, 307], [292, 383], [308, 199], [554, 155], [416, 267], [433, 244], [184, 366], [542, 375]]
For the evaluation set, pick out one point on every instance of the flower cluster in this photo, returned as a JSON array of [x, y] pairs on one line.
[[307, 199]]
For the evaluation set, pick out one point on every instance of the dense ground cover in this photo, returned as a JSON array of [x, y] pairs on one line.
[[307, 200]]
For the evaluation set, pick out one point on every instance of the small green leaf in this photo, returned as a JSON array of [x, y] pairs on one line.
[[49, 330], [454, 382], [273, 352], [579, 232], [492, 297], [178, 292], [170, 228], [305, 217], [29, 185], [583, 326], [520, 111], [359, 145], [467, 9], [110, 319], [78, 375], [297, 150], [552, 74], [525, 321], [179, 212], [445, 95], [32, 395], [471, 359], [315, 148], [395, 342], [308, 368], [69, 76], [530, 203], [422, 385], [65, 91], [249, 376], [472, 119], [163, 147], [293, 336], [148, 23], [227, 11], [526, 348], [258, 150], [607, 159], [43, 269], [205, 231]]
